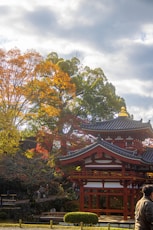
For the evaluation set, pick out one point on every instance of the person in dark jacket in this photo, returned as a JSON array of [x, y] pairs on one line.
[[144, 209]]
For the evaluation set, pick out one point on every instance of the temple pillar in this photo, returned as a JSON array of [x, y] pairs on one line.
[[125, 202], [81, 197], [132, 207], [90, 199]]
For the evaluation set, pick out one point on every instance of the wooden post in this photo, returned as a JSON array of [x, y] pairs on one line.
[[107, 203], [134, 195], [51, 223], [125, 201], [81, 197], [90, 199], [81, 224], [20, 223]]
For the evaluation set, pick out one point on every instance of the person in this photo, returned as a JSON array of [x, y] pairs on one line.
[[144, 209]]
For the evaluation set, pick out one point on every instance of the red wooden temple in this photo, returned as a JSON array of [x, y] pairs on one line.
[[114, 167]]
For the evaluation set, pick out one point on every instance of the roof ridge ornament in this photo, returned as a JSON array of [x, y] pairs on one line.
[[123, 112], [98, 138]]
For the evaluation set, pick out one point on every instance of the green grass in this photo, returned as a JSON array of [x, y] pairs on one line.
[[58, 227]]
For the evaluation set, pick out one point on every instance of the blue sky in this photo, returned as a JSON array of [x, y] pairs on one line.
[[115, 35]]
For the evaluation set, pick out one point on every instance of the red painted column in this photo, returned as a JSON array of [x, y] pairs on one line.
[[107, 203], [125, 201], [81, 197], [90, 200], [132, 207]]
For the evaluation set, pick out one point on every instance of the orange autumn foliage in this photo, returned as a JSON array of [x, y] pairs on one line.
[[16, 70], [49, 90]]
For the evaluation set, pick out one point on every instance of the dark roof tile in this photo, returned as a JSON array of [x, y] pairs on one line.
[[132, 155], [118, 124], [148, 155]]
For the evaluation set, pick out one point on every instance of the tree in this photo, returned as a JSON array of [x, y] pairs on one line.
[[65, 94], [96, 97], [49, 90], [16, 70], [49, 93], [9, 137], [30, 172]]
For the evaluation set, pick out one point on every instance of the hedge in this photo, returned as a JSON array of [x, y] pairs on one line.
[[78, 217]]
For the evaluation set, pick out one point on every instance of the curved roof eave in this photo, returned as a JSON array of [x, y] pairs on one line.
[[119, 130], [148, 156], [122, 154]]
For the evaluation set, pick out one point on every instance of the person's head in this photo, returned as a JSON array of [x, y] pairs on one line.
[[148, 190]]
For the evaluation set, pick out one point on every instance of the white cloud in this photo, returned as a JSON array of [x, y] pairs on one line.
[[111, 35], [141, 113], [145, 36], [135, 86]]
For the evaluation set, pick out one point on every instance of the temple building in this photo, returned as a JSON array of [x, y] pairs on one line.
[[113, 169]]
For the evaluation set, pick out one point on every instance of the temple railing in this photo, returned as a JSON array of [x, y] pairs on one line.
[[95, 174]]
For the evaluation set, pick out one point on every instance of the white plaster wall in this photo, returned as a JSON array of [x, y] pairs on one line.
[[100, 185]]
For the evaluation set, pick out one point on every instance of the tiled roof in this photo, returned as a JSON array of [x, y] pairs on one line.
[[146, 158], [148, 155], [117, 124], [113, 148], [119, 151]]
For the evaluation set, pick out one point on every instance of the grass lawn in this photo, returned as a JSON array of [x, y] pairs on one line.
[[57, 227]]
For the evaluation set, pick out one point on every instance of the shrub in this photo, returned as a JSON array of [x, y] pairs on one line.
[[3, 215], [72, 206], [78, 217]]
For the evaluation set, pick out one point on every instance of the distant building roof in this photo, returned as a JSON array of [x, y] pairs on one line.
[[120, 124], [117, 124]]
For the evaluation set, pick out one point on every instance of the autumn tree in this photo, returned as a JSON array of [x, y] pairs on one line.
[[16, 69], [49, 94], [65, 95]]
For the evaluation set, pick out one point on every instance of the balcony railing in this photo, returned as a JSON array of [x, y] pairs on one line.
[[108, 175]]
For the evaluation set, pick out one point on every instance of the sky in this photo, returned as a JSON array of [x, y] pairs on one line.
[[114, 35]]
